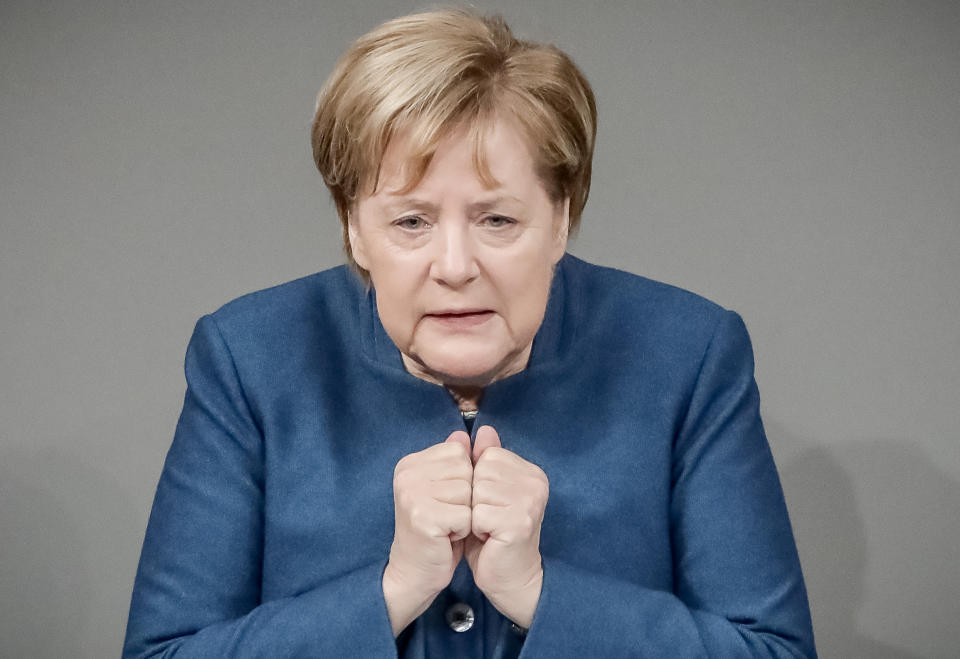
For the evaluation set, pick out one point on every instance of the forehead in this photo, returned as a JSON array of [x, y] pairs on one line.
[[490, 155]]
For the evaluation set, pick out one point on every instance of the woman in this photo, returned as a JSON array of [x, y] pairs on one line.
[[469, 443]]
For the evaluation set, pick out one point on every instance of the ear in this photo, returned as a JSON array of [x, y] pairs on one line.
[[356, 243], [562, 220]]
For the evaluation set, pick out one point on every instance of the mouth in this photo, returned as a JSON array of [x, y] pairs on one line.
[[461, 318]]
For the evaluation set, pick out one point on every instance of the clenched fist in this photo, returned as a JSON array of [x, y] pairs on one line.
[[487, 505], [432, 490], [509, 498]]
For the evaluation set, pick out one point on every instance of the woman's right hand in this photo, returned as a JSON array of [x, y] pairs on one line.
[[432, 492]]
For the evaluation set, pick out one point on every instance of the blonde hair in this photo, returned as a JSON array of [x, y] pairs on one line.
[[429, 73]]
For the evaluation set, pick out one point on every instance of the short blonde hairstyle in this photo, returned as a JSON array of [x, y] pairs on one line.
[[427, 74]]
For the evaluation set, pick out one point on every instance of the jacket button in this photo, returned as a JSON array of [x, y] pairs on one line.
[[460, 617]]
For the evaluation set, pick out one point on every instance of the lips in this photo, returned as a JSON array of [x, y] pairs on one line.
[[461, 319]]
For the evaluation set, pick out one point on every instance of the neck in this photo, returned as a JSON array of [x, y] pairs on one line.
[[467, 392], [466, 397]]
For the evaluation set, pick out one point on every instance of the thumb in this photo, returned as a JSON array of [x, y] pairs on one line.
[[487, 437], [459, 437]]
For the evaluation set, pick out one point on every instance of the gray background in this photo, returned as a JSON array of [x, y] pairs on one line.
[[796, 161]]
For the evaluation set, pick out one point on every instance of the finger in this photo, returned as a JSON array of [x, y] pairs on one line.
[[433, 519], [449, 459], [472, 547], [419, 472], [460, 533], [457, 546], [486, 438], [459, 437], [455, 491], [501, 465], [437, 519], [504, 524], [456, 444], [493, 493], [453, 450], [458, 522], [485, 519]]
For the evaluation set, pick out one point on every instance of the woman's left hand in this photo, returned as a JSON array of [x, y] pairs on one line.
[[509, 498]]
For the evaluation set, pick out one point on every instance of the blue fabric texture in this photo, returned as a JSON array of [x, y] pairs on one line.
[[665, 535]]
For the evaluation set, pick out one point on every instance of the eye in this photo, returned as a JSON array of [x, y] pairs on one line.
[[498, 221], [411, 223]]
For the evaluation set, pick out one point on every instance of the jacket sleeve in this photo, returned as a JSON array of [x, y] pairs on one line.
[[198, 586], [738, 589]]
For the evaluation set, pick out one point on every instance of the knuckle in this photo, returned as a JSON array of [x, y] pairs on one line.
[[540, 496], [542, 476], [540, 502], [419, 518], [528, 525], [453, 449], [538, 486], [497, 454], [402, 481]]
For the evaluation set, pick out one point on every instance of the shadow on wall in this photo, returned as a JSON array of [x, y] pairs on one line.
[[876, 528]]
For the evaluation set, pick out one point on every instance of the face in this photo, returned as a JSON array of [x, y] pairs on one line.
[[462, 271]]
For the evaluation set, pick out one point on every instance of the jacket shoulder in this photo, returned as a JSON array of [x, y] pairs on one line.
[[323, 304], [634, 325], [335, 284], [625, 301]]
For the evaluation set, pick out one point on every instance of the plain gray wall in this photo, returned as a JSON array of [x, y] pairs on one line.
[[796, 161]]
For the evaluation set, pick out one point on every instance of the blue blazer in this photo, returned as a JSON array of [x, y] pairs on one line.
[[665, 534]]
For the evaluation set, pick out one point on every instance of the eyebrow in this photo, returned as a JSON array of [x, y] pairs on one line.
[[396, 203], [495, 200]]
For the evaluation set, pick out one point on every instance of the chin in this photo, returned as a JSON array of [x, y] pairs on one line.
[[465, 370]]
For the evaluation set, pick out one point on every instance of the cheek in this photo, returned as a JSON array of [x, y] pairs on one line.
[[525, 285], [395, 311], [397, 301]]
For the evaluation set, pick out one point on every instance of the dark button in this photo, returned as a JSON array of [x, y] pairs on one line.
[[460, 617], [517, 629]]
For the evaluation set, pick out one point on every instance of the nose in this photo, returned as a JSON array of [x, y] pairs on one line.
[[454, 262]]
